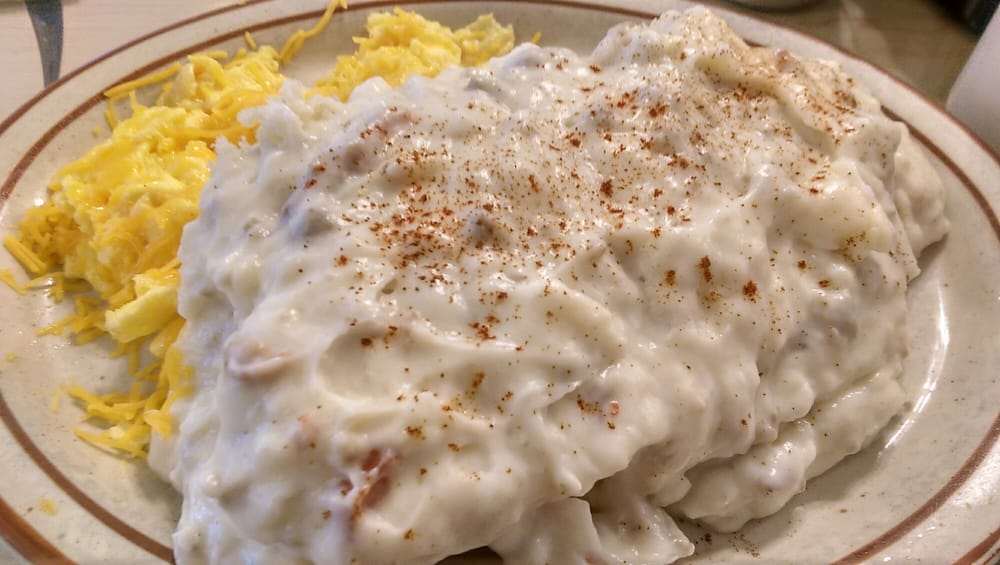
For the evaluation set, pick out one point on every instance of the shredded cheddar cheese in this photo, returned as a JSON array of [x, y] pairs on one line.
[[48, 506], [109, 232], [402, 44], [294, 43]]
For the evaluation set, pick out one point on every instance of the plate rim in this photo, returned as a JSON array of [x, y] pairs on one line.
[[7, 122], [31, 544]]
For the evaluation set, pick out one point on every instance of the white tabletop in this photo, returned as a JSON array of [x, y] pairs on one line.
[[914, 39]]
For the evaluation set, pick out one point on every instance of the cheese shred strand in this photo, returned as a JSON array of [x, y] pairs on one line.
[[109, 232]]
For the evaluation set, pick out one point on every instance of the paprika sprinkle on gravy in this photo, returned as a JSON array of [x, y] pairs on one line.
[[546, 305]]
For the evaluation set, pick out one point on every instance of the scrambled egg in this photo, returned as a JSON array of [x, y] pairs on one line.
[[110, 231]]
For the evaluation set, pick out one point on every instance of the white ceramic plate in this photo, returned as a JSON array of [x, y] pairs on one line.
[[929, 489]]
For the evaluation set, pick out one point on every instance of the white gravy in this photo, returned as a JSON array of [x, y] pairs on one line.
[[544, 305]]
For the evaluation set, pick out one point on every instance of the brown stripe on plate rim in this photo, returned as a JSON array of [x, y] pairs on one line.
[[980, 550], [974, 460], [140, 539], [162, 551], [26, 540], [6, 123]]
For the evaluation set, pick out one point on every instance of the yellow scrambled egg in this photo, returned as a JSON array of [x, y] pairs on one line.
[[109, 232]]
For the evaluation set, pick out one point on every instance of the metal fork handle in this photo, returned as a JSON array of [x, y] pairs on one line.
[[46, 19]]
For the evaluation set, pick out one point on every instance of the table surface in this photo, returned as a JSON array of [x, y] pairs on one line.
[[916, 40]]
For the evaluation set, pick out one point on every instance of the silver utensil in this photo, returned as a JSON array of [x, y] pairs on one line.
[[47, 20]]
